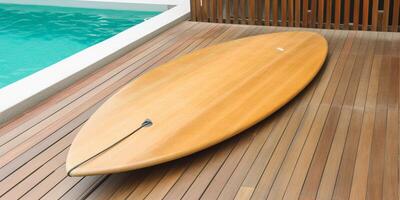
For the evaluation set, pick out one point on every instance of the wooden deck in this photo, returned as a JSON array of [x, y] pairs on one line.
[[337, 139]]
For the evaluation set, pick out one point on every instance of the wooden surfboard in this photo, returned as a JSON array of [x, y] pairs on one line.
[[196, 101]]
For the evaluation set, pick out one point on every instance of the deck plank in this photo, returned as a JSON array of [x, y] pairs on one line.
[[345, 172], [328, 132], [359, 182], [331, 169], [390, 191], [338, 139]]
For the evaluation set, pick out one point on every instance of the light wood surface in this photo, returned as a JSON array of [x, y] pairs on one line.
[[197, 101]]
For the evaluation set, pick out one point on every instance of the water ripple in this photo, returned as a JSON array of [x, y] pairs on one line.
[[33, 37]]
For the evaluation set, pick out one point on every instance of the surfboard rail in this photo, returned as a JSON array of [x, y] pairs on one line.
[[196, 101]]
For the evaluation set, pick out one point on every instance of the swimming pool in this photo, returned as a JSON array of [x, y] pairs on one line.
[[34, 37]]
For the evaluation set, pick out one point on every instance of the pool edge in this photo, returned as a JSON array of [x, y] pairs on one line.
[[15, 99]]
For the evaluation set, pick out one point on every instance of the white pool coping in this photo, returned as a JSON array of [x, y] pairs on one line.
[[27, 92]]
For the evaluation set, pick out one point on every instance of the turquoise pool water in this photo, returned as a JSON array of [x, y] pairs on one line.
[[34, 37]]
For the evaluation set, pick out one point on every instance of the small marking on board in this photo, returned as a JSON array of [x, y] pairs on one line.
[[280, 49]]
